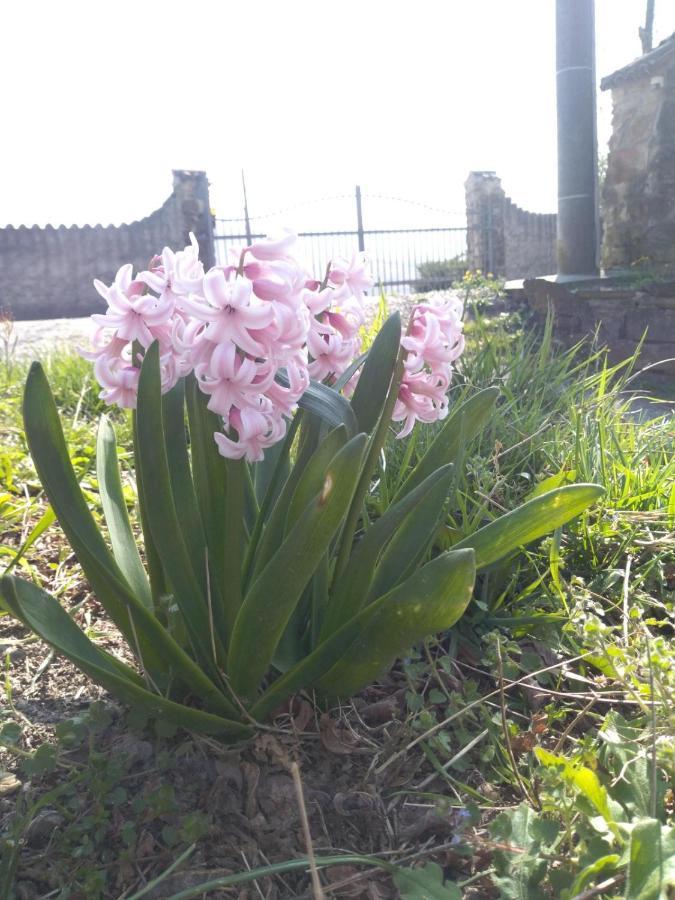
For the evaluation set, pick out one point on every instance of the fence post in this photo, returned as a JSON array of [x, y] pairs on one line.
[[191, 191], [359, 219]]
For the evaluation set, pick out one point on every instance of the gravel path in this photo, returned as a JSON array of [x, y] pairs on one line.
[[39, 338]]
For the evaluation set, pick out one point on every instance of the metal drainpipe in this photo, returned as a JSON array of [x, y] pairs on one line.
[[577, 235]]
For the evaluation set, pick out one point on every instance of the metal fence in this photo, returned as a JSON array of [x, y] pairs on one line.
[[415, 252]]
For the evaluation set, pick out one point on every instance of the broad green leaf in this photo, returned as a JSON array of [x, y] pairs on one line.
[[441, 590], [44, 615], [351, 370], [210, 478], [178, 672], [159, 654], [425, 883], [373, 385], [175, 439], [590, 873], [272, 597], [350, 591], [519, 874], [651, 866], [57, 476], [204, 626], [412, 538], [125, 549], [586, 782], [565, 476], [461, 426], [271, 472], [529, 522], [311, 474], [312, 478], [326, 404], [235, 538], [158, 585], [45, 520], [430, 601]]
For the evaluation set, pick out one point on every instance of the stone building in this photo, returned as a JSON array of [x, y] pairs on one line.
[[638, 197]]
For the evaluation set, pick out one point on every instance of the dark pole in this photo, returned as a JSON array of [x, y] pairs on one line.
[[577, 138], [247, 221], [647, 33], [359, 219]]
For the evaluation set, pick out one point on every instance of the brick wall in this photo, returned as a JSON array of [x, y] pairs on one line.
[[622, 317], [48, 272], [502, 237]]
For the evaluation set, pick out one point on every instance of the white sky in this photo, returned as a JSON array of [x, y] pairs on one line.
[[100, 100]]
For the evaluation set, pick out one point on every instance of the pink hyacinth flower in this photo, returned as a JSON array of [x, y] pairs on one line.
[[119, 382], [274, 246], [256, 430], [354, 273]]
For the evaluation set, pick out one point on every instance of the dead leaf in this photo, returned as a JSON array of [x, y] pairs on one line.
[[335, 740]]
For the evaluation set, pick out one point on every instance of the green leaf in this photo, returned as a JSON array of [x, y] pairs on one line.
[[178, 670], [46, 617], [57, 476], [326, 404], [272, 597], [114, 505], [430, 601], [529, 522], [44, 614], [311, 475], [312, 478], [565, 476], [373, 385], [413, 537], [651, 866], [351, 589], [586, 782], [460, 427], [210, 479], [235, 538], [164, 522], [435, 577], [175, 438], [164, 660], [45, 520], [425, 884], [519, 872], [590, 872]]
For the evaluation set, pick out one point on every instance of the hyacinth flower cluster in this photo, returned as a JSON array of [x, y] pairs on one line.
[[238, 327], [434, 341]]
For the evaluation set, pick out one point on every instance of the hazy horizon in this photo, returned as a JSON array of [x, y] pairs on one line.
[[309, 98]]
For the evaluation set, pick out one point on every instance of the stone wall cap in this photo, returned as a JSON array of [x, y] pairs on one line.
[[642, 66]]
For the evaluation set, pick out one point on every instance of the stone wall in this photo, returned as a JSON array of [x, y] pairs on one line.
[[503, 238], [638, 197], [48, 272], [621, 316]]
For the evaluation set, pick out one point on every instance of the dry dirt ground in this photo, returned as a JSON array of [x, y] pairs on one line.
[[118, 805]]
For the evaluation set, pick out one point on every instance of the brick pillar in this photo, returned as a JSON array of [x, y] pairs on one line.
[[485, 201], [191, 190]]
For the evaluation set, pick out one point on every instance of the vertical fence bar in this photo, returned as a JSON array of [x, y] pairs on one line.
[[247, 221], [359, 219]]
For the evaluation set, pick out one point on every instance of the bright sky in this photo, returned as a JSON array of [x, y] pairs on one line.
[[101, 100]]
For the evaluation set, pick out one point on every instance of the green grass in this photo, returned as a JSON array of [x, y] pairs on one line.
[[566, 651]]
